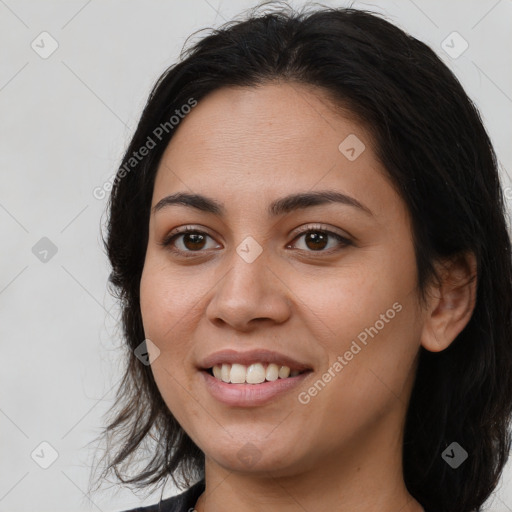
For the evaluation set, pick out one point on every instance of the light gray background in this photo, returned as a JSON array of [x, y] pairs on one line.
[[64, 124]]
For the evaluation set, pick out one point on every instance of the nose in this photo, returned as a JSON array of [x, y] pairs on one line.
[[249, 295]]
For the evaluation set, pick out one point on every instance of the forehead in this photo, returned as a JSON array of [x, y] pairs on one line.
[[273, 123], [270, 140]]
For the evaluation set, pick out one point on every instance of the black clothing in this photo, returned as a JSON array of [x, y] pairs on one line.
[[184, 502]]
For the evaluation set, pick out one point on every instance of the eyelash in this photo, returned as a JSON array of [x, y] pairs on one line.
[[168, 240]]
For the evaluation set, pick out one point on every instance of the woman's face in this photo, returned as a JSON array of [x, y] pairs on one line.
[[269, 275]]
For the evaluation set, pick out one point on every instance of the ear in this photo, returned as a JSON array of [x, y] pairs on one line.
[[451, 301]]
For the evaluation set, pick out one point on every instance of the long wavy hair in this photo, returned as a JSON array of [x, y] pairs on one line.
[[430, 138]]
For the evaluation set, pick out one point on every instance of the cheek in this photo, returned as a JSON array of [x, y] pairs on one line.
[[164, 306], [167, 299], [374, 324], [167, 308], [373, 378], [352, 298]]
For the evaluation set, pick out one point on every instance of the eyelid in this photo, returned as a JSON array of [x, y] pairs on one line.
[[183, 230], [321, 227]]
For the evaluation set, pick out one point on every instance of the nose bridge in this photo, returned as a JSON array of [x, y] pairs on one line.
[[249, 289], [248, 267]]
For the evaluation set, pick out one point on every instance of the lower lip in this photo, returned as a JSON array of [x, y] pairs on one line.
[[250, 395]]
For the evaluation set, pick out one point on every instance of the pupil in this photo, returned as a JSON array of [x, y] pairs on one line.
[[195, 239], [316, 238]]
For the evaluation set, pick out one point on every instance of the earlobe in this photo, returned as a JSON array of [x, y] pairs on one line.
[[451, 302]]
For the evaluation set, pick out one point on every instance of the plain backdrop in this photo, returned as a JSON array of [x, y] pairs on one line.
[[65, 120]]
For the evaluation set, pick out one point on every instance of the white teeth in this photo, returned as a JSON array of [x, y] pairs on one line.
[[255, 373], [225, 372], [272, 372], [217, 372], [237, 374], [284, 372]]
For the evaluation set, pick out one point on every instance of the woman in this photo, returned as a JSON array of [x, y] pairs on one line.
[[308, 237]]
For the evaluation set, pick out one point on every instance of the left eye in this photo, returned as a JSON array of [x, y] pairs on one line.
[[318, 240]]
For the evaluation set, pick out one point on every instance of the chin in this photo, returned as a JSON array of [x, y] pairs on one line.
[[268, 457]]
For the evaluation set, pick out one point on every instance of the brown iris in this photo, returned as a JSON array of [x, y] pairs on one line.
[[318, 239], [196, 240]]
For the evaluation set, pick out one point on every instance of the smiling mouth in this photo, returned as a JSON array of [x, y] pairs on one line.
[[255, 373]]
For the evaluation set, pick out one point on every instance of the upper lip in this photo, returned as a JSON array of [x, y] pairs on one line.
[[230, 356]]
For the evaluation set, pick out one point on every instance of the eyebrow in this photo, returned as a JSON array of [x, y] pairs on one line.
[[281, 206]]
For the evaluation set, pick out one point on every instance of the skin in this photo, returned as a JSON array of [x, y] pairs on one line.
[[246, 147]]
